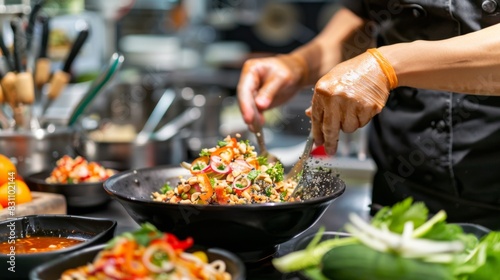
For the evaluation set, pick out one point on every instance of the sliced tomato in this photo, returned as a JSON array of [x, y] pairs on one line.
[[220, 193], [206, 188]]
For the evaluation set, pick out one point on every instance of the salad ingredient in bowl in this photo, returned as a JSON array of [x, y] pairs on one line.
[[229, 173], [149, 254], [78, 170]]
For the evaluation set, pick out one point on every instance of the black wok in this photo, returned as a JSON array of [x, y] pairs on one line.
[[243, 229]]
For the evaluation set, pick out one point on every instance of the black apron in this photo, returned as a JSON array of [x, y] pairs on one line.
[[442, 148]]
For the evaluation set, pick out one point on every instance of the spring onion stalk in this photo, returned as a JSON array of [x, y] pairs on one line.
[[404, 245], [427, 226], [303, 259]]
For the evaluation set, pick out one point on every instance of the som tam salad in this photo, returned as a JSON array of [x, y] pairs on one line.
[[149, 254], [229, 173]]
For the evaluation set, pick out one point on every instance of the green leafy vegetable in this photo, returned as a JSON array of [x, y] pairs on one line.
[[221, 143], [276, 172], [159, 257], [404, 234], [483, 262], [253, 174], [246, 142], [262, 160], [212, 181], [198, 166], [144, 235], [268, 191], [396, 216], [204, 152], [166, 187]]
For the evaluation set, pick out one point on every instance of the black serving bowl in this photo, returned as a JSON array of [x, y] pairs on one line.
[[78, 196], [93, 231], [53, 269], [251, 231]]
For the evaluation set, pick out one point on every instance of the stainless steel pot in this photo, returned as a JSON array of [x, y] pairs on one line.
[[165, 147], [38, 150], [128, 155]]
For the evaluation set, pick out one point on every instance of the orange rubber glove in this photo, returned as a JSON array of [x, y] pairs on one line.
[[348, 97], [269, 82]]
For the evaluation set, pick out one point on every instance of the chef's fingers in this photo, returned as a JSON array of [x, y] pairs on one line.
[[350, 120], [248, 85], [325, 118], [268, 91], [317, 125], [331, 131]]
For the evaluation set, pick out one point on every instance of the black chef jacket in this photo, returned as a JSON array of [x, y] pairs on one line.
[[439, 147]]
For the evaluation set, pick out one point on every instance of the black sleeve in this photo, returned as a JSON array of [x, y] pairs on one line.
[[356, 6]]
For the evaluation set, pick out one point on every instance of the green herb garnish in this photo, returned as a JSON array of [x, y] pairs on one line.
[[166, 187], [221, 143], [276, 172], [204, 152], [253, 174], [262, 160]]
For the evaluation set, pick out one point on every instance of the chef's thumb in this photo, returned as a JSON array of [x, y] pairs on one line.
[[309, 112]]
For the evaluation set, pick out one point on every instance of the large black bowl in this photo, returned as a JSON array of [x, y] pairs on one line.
[[78, 196], [92, 230], [244, 229], [53, 270]]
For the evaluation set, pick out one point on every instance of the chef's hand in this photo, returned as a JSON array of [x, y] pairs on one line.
[[269, 82], [348, 97]]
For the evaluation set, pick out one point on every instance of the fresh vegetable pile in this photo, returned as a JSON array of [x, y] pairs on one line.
[[78, 170], [399, 243], [149, 254], [229, 173]]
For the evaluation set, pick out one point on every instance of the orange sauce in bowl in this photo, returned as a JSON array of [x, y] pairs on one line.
[[37, 244]]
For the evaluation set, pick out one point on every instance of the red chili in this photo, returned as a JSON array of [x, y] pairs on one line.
[[178, 244]]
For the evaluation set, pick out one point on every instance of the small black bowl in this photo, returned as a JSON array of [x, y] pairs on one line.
[[252, 231], [92, 230], [53, 269], [80, 195]]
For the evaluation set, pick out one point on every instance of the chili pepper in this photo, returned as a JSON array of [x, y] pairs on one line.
[[178, 244], [206, 187], [226, 153]]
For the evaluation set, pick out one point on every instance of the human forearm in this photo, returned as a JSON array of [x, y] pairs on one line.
[[466, 64], [344, 37]]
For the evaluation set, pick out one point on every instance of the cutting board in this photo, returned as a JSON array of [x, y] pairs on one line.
[[42, 203]]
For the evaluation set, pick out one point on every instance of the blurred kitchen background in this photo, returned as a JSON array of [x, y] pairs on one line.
[[182, 63]]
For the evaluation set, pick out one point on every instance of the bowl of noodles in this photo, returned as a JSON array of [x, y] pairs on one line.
[[146, 253], [227, 198]]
